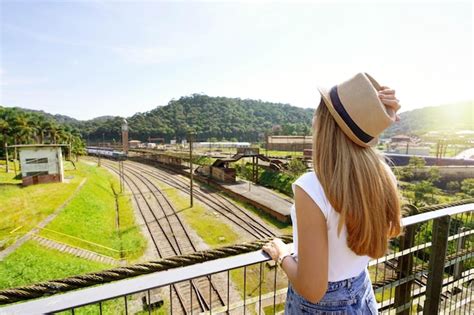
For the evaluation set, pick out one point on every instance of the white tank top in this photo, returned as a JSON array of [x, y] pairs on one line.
[[343, 262]]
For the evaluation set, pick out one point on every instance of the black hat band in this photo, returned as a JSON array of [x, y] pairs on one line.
[[339, 107]]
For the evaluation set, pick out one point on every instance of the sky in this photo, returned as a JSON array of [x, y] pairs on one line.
[[92, 58]]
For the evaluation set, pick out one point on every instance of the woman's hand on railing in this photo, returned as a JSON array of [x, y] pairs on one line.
[[276, 249]]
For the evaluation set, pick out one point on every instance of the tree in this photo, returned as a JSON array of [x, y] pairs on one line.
[[421, 190], [416, 163], [467, 187], [453, 186], [296, 167], [23, 127], [433, 175]]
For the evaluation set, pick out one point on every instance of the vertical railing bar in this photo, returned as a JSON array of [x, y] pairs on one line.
[[459, 248], [149, 302], [470, 298], [210, 294], [467, 290], [404, 269], [436, 264], [100, 308], [453, 268], [469, 215], [274, 289], [228, 290], [416, 263], [384, 265], [392, 286], [376, 270], [421, 276], [260, 290], [72, 311], [171, 299], [191, 296], [126, 306], [245, 289]]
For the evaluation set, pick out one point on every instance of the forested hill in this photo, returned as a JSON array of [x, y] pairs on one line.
[[452, 117], [211, 117], [244, 120], [247, 120]]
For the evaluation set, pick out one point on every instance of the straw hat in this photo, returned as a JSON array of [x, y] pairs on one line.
[[357, 109]]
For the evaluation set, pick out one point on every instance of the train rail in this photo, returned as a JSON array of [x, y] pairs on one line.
[[222, 205], [170, 238]]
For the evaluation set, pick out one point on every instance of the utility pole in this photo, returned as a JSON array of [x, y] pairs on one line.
[[14, 161], [121, 174], [125, 136], [266, 143], [191, 134], [6, 156]]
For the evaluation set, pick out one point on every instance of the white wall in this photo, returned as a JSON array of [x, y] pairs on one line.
[[53, 166]]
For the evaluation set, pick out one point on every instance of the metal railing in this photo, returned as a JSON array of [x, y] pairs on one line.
[[429, 270]]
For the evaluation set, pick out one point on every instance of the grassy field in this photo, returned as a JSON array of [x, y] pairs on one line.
[[32, 263], [90, 220], [23, 208], [8, 178], [281, 153], [252, 286]]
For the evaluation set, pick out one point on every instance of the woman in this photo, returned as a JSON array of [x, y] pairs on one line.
[[347, 209]]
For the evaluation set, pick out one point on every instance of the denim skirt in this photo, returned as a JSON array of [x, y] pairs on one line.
[[346, 297]]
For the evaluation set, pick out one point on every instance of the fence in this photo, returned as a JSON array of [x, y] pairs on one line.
[[428, 270]]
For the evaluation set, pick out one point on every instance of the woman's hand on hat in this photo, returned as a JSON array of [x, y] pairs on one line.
[[276, 248], [387, 97]]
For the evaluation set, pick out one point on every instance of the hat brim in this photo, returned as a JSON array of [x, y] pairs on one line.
[[341, 123]]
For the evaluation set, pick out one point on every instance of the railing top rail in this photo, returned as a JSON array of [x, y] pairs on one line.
[[60, 302], [119, 288], [431, 215]]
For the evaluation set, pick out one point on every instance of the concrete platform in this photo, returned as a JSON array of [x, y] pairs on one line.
[[277, 205]]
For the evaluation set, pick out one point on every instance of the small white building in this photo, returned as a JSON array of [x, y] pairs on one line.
[[41, 163]]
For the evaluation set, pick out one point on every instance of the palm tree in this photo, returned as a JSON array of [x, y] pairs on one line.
[[5, 129]]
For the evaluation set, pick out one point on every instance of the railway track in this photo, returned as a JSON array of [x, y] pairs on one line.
[[170, 238], [238, 216]]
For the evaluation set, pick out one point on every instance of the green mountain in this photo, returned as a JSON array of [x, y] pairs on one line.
[[211, 117], [452, 117], [247, 120]]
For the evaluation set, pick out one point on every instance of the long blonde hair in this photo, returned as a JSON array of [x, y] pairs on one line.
[[358, 186]]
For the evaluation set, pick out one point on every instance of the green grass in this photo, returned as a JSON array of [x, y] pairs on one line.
[[8, 178], [22, 208], [91, 218], [252, 284], [32, 263], [269, 309], [207, 225], [281, 153]]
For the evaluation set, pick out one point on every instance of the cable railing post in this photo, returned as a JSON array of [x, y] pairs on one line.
[[436, 264], [460, 245], [403, 296]]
